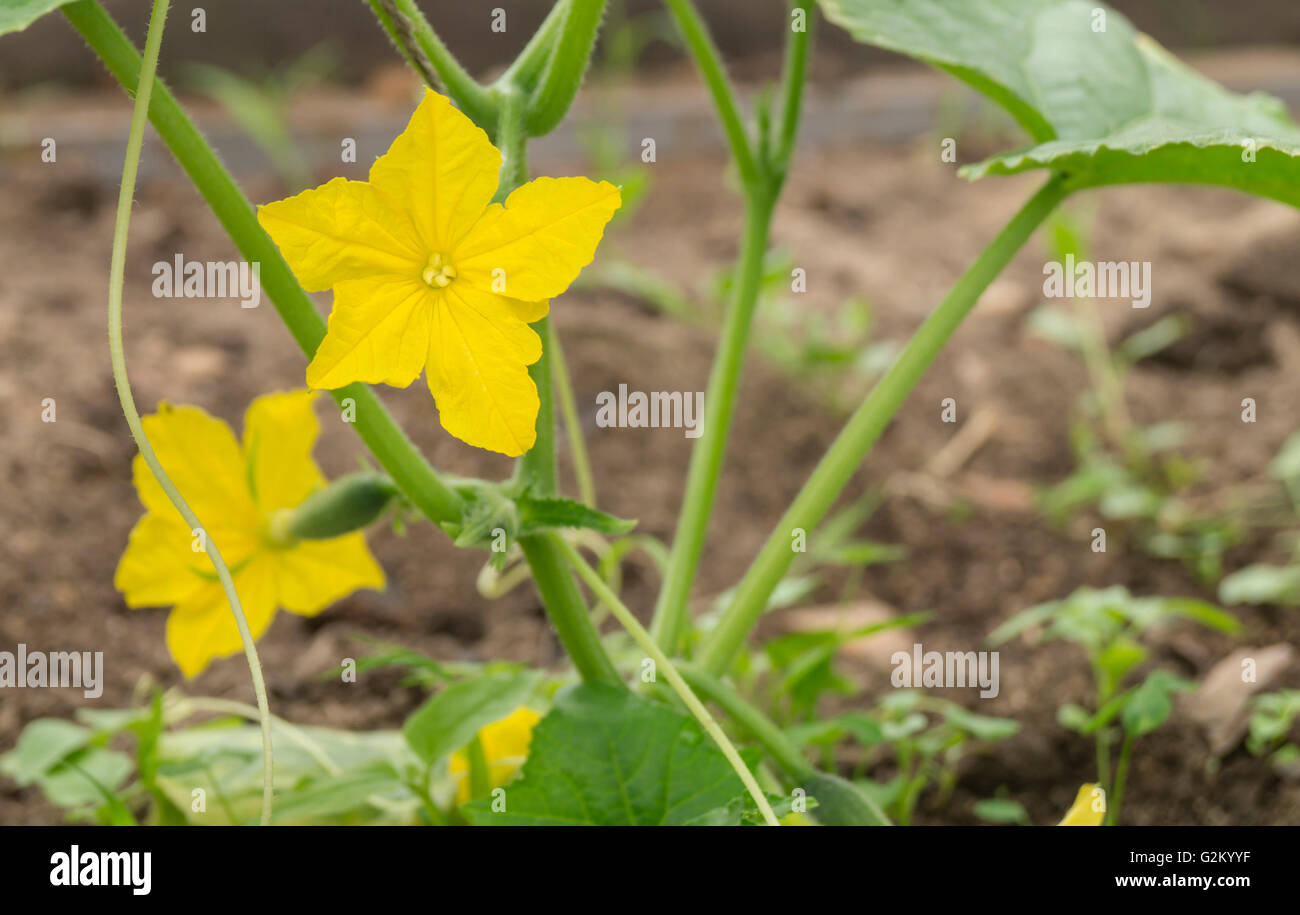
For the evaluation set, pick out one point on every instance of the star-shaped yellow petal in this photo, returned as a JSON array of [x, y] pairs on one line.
[[236, 492], [428, 274]]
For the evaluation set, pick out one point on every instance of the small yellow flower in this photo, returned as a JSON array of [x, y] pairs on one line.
[[428, 274], [238, 492], [1088, 809], [505, 744]]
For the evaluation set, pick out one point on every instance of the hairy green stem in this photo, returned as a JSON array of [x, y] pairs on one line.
[[528, 66], [568, 611], [116, 280], [537, 470], [565, 67], [419, 482], [425, 52], [650, 647], [851, 446]]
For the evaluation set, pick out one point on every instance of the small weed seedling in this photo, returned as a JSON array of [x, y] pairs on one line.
[[1109, 625]]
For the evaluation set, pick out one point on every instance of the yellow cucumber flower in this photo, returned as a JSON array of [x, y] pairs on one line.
[[1088, 809], [429, 274], [505, 745], [237, 492]]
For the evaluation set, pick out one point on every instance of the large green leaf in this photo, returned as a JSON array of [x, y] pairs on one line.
[[1104, 106], [16, 15], [606, 757]]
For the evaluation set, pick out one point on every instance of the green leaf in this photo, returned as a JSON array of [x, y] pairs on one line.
[[87, 778], [16, 15], [1117, 659], [542, 514], [604, 756], [1105, 105], [1073, 717], [1262, 584], [1001, 810], [332, 795], [1150, 704], [42, 745], [865, 553], [1272, 717], [450, 719], [983, 727]]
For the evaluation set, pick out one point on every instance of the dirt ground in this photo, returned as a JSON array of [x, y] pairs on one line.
[[889, 222]]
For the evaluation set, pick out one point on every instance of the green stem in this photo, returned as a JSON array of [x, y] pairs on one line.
[[705, 52], [1102, 739], [116, 280], [528, 66], [796, 71], [510, 137], [651, 648], [572, 424], [851, 446], [671, 617], [1116, 799], [762, 179], [425, 52], [389, 444], [565, 68], [750, 718], [568, 612], [537, 470]]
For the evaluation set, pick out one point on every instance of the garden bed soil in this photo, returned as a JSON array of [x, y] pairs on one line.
[[891, 223]]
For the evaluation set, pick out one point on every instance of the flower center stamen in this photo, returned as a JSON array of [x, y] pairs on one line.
[[438, 271], [275, 528]]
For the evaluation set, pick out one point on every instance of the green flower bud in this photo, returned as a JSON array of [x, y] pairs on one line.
[[350, 503]]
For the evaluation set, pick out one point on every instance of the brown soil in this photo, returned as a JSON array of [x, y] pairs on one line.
[[890, 223]]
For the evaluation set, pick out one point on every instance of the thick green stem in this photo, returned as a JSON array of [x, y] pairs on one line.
[[537, 469], [672, 611], [116, 279], [662, 663], [705, 52], [568, 611], [838, 465], [565, 68], [389, 444], [425, 52], [762, 175]]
